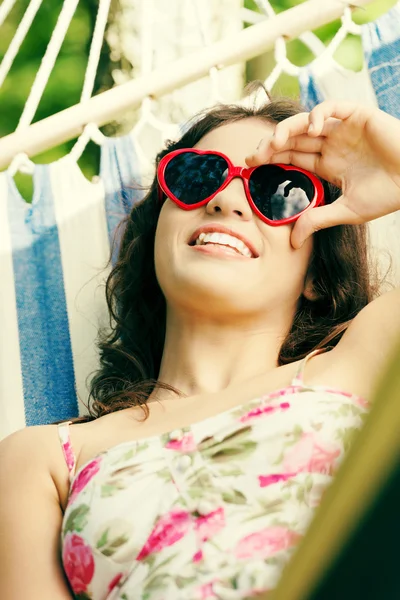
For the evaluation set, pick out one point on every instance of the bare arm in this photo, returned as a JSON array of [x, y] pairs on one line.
[[363, 353], [30, 519]]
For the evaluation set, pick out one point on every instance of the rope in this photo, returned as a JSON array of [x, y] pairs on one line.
[[47, 64], [250, 16], [200, 7], [95, 49], [146, 115], [284, 65], [348, 26], [5, 9], [19, 36], [90, 133], [21, 163], [265, 7], [68, 124]]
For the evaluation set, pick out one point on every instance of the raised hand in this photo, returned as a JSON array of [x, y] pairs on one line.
[[354, 147]]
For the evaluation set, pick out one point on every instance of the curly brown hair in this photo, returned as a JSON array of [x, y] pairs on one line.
[[131, 349]]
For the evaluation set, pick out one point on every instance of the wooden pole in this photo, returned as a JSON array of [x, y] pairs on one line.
[[105, 107]]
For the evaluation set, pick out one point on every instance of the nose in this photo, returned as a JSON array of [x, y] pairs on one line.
[[231, 201]]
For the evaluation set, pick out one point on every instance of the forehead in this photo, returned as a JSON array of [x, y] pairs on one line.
[[238, 139]]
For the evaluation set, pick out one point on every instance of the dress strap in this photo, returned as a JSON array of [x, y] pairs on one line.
[[66, 446], [298, 379]]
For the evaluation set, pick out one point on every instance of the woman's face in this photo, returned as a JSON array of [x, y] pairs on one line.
[[218, 282]]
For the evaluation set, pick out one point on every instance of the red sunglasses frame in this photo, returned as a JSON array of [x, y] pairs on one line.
[[244, 173]]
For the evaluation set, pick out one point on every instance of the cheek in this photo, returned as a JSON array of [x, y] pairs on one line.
[[162, 245], [301, 263], [168, 226], [286, 265]]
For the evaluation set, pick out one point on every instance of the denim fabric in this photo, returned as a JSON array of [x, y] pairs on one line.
[[85, 251], [381, 44], [120, 171], [310, 96], [326, 79], [45, 345]]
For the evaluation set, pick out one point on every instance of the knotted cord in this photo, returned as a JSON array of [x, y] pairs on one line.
[[48, 61], [294, 22], [19, 36]]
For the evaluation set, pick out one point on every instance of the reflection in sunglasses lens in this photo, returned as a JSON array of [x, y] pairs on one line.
[[193, 177], [279, 193]]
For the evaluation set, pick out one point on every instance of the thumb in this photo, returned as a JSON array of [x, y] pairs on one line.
[[322, 217]]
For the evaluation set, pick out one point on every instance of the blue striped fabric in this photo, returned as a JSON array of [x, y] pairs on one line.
[[46, 356], [53, 264], [381, 43], [120, 171], [310, 95]]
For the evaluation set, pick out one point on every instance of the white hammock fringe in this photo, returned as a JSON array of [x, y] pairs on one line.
[[18, 38], [95, 49], [47, 64], [109, 105]]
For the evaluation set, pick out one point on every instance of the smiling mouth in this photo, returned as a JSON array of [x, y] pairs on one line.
[[223, 242], [219, 250]]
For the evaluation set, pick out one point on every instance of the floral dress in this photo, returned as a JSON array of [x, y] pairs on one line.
[[210, 511]]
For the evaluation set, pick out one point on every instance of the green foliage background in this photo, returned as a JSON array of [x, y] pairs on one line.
[[65, 84]]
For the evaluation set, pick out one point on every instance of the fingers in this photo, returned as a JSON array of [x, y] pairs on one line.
[[333, 109], [293, 126], [314, 219], [305, 160], [319, 123], [290, 134], [301, 143], [296, 125]]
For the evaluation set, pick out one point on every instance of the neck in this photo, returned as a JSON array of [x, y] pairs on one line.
[[207, 356]]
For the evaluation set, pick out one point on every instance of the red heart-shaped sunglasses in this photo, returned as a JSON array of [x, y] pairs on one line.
[[277, 193]]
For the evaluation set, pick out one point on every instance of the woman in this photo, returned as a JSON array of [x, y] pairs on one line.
[[255, 316]]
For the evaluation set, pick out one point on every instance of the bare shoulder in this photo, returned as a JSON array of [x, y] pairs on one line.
[[362, 354], [33, 445], [31, 516], [35, 450]]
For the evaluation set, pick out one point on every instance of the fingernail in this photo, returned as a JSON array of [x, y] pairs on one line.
[[311, 128]]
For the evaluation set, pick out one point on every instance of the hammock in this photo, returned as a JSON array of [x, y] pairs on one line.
[[53, 252]]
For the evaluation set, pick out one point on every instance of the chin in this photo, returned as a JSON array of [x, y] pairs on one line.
[[214, 296]]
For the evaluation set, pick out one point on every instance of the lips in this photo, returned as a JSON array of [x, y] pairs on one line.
[[222, 229]]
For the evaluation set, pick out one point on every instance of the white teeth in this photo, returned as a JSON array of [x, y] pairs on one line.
[[225, 240]]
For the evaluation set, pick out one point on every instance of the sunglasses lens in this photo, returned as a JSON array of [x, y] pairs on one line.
[[279, 193], [192, 177]]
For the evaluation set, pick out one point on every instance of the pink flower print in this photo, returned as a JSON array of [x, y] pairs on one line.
[[168, 530], [266, 543], [205, 591], [69, 455], [362, 402], [311, 455], [78, 562], [198, 556], [115, 581], [208, 525], [84, 476], [185, 444], [262, 410], [265, 480], [258, 592]]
